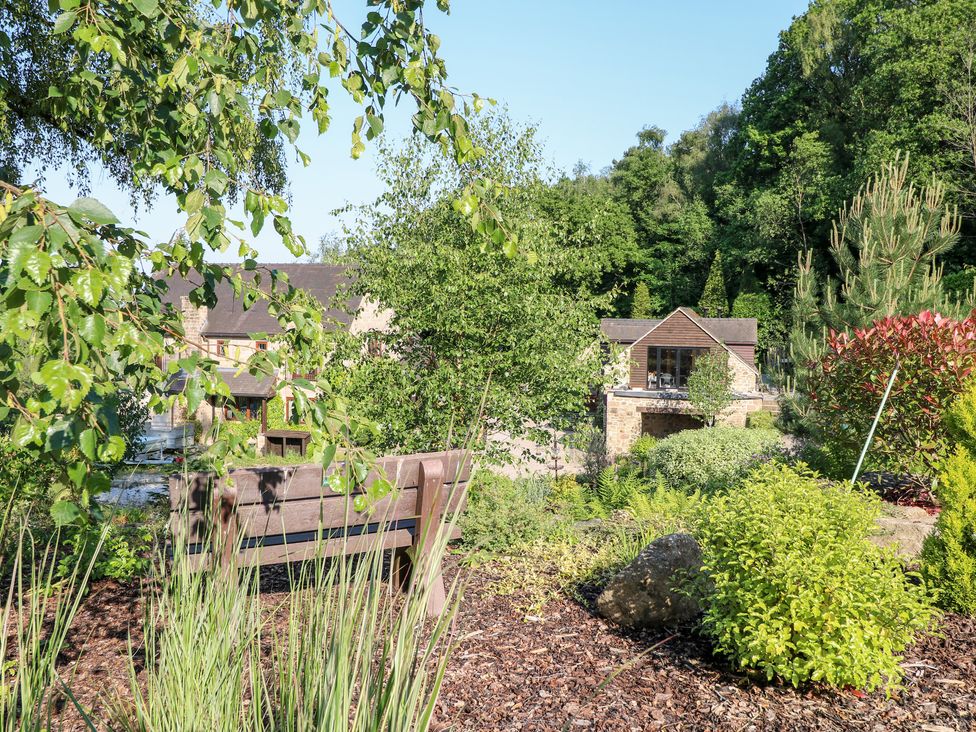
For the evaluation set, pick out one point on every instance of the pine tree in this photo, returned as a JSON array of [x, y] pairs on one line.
[[714, 301], [641, 305], [886, 246]]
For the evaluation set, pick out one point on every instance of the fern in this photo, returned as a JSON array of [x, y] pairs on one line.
[[613, 490]]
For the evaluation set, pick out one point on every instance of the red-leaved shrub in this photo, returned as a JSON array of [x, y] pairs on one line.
[[936, 355]]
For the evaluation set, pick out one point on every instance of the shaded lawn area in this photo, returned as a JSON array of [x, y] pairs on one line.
[[571, 670]]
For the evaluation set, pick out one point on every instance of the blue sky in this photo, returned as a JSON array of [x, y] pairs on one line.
[[589, 75]]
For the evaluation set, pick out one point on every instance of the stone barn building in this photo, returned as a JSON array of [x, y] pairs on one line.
[[650, 396]]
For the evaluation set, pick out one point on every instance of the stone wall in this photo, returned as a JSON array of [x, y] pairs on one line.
[[744, 379], [624, 412]]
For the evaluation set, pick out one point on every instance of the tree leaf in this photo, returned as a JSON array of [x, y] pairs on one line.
[[88, 443], [37, 264], [93, 210], [64, 513], [88, 285], [149, 8], [93, 329], [64, 21]]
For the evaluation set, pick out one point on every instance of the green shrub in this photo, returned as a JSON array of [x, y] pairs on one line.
[[125, 540], [613, 490], [664, 510], [795, 589], [245, 429], [949, 553], [642, 447], [502, 514], [710, 459], [569, 498], [26, 493], [761, 420]]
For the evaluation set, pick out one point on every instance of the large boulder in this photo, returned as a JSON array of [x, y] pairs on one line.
[[905, 528], [642, 594]]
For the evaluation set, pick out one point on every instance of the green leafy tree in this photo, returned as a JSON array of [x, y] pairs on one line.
[[177, 96], [672, 228], [714, 302], [710, 385], [641, 305], [472, 332], [770, 321], [598, 230], [850, 84]]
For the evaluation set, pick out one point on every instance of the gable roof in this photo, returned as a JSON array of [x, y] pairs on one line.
[[228, 317], [240, 384], [712, 327], [626, 330], [735, 331]]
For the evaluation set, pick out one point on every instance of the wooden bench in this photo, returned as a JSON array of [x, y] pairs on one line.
[[282, 514]]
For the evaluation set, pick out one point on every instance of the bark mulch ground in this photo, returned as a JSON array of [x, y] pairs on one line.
[[571, 670]]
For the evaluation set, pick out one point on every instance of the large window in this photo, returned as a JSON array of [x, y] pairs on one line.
[[668, 368], [246, 408]]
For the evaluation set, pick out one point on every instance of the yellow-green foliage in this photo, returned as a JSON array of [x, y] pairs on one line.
[[664, 510], [502, 513], [613, 490], [761, 420], [569, 498], [796, 590], [560, 564], [949, 554]]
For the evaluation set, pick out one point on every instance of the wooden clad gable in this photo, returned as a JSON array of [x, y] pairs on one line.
[[745, 351], [678, 330]]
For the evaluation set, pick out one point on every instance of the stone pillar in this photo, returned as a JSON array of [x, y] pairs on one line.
[[194, 323], [622, 424]]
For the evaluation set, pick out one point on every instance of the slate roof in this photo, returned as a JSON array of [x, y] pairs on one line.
[[243, 384], [733, 330], [737, 331], [228, 317], [626, 330]]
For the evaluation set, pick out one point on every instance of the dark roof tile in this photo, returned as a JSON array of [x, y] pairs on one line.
[[739, 331], [228, 317]]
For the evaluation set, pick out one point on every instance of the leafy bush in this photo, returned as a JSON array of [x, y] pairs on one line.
[[949, 553], [133, 413], [26, 492], [502, 513], [642, 447], [761, 420], [795, 589], [569, 498], [935, 355], [124, 541], [244, 429], [710, 459], [613, 490]]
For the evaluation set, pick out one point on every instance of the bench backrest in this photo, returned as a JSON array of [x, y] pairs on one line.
[[280, 513]]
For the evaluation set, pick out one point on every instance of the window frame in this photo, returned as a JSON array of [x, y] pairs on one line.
[[680, 359]]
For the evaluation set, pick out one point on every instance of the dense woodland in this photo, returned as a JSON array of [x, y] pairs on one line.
[[852, 84]]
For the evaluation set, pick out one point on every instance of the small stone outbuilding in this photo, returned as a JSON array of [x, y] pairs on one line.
[[656, 358]]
